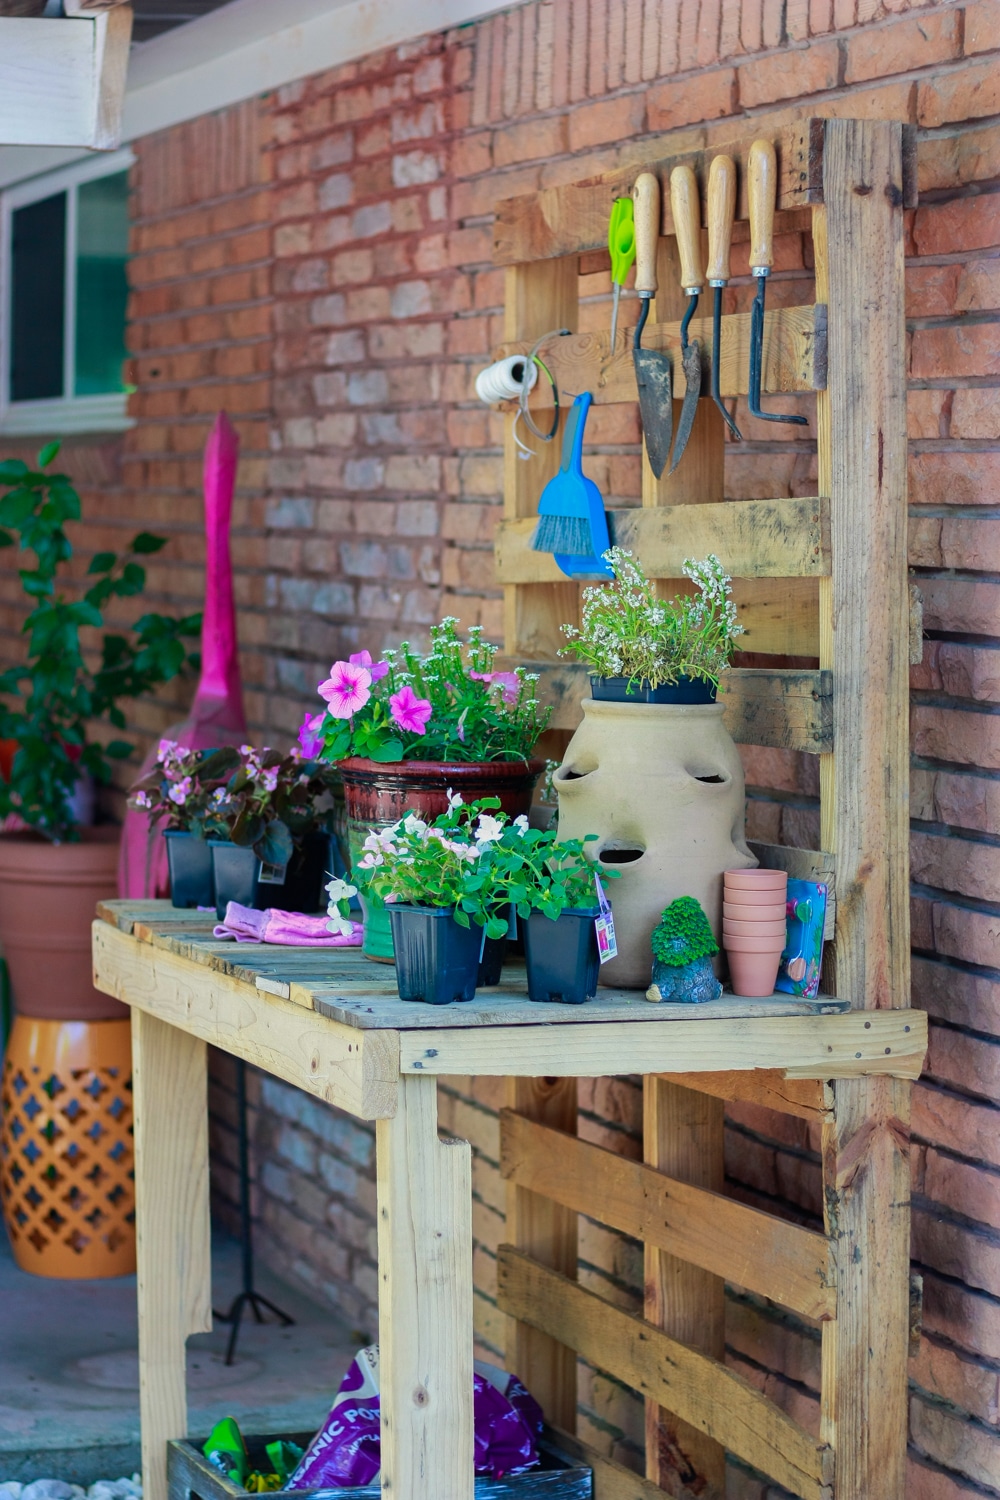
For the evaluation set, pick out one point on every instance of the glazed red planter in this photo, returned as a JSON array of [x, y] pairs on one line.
[[379, 794]]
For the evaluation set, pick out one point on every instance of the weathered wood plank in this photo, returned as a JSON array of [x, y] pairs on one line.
[[795, 357], [848, 1045], [803, 864], [809, 1099], [612, 1481], [356, 1071], [174, 1262], [752, 538], [425, 1301], [700, 1390], [787, 709], [548, 1232], [788, 1264], [573, 217]]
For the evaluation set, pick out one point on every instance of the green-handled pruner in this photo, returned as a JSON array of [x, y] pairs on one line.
[[621, 244]]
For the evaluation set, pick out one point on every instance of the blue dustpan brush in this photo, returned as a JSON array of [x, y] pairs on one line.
[[571, 520]]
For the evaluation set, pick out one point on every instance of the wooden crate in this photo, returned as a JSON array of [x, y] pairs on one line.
[[823, 578]]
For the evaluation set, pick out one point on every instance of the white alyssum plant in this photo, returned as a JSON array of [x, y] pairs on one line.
[[628, 632]]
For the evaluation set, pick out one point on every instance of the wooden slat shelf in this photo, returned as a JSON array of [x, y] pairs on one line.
[[794, 356], [822, 580], [752, 539], [787, 710]]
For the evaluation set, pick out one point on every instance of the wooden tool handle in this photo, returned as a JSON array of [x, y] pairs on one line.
[[762, 189], [686, 210], [646, 198], [721, 212]]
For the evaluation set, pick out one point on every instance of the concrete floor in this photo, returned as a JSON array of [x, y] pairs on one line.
[[69, 1372]]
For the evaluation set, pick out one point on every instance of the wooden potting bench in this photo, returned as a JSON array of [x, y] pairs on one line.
[[822, 578]]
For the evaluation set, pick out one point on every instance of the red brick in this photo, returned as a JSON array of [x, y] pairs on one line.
[[931, 290], [961, 605], [791, 74], [975, 412], [902, 46], [962, 224], [966, 1126], [708, 96], [982, 27], [967, 93], [926, 415], [979, 287], [973, 349], [956, 478], [962, 738], [949, 161], [607, 120], [528, 141], [949, 1439]]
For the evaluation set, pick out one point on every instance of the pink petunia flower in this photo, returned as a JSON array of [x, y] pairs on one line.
[[378, 669], [310, 736], [509, 685], [408, 711], [346, 688]]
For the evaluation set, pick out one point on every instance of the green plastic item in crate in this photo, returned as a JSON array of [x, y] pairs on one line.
[[191, 1476]]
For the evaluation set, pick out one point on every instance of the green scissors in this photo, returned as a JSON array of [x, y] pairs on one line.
[[621, 244]]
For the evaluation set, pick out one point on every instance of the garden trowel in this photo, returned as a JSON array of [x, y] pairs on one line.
[[653, 374], [721, 212], [762, 189], [686, 210]]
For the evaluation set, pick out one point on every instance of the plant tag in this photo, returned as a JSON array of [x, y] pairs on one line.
[[272, 874], [604, 926]]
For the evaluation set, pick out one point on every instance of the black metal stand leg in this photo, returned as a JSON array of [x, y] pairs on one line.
[[248, 1297]]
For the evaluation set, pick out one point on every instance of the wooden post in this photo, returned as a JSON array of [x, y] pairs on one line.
[[683, 1130], [170, 1083], [864, 633], [425, 1301], [548, 1233]]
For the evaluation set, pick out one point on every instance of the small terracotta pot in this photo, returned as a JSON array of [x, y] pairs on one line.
[[755, 880], [733, 928], [740, 944], [752, 975], [743, 896], [48, 895], [738, 912]]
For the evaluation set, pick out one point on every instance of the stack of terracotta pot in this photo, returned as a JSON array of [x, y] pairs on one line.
[[753, 928]]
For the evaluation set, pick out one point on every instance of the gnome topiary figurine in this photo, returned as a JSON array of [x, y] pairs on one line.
[[683, 947]]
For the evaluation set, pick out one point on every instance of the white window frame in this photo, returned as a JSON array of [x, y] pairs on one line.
[[62, 415]]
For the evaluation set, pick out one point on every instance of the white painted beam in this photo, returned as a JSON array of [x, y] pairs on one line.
[[62, 82]]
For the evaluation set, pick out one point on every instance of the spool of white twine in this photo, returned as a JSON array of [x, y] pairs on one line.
[[506, 379]]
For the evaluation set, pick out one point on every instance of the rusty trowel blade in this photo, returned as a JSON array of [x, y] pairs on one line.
[[691, 360], [653, 376]]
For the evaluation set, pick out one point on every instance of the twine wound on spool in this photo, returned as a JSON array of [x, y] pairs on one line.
[[516, 376]]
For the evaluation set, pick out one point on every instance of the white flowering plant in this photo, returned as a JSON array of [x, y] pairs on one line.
[[479, 862], [338, 909], [450, 704], [628, 632]]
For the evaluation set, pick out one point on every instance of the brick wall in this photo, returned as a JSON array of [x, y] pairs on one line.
[[319, 261]]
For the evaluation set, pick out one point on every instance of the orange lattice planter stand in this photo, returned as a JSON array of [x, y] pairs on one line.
[[66, 1159]]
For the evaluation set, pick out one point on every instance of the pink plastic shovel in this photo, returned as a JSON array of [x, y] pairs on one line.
[[216, 716]]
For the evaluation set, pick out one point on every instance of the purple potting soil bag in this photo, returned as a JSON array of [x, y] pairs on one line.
[[346, 1450]]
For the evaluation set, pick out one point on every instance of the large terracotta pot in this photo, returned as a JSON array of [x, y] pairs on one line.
[[378, 795], [662, 787], [48, 893]]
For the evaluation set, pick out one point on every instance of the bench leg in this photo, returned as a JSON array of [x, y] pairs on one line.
[[170, 1082], [425, 1302]]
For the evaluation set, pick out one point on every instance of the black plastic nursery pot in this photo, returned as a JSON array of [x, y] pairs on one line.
[[235, 870], [437, 961], [684, 690], [561, 956], [306, 874], [190, 861]]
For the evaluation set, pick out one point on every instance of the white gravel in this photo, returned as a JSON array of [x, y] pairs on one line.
[[58, 1489]]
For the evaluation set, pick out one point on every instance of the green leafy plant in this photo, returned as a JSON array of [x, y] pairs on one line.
[[260, 799], [51, 703], [477, 861], [628, 632], [683, 934], [448, 705]]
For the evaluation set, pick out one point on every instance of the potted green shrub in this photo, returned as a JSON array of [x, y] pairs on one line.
[[61, 708], [642, 649], [551, 886], [404, 730]]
